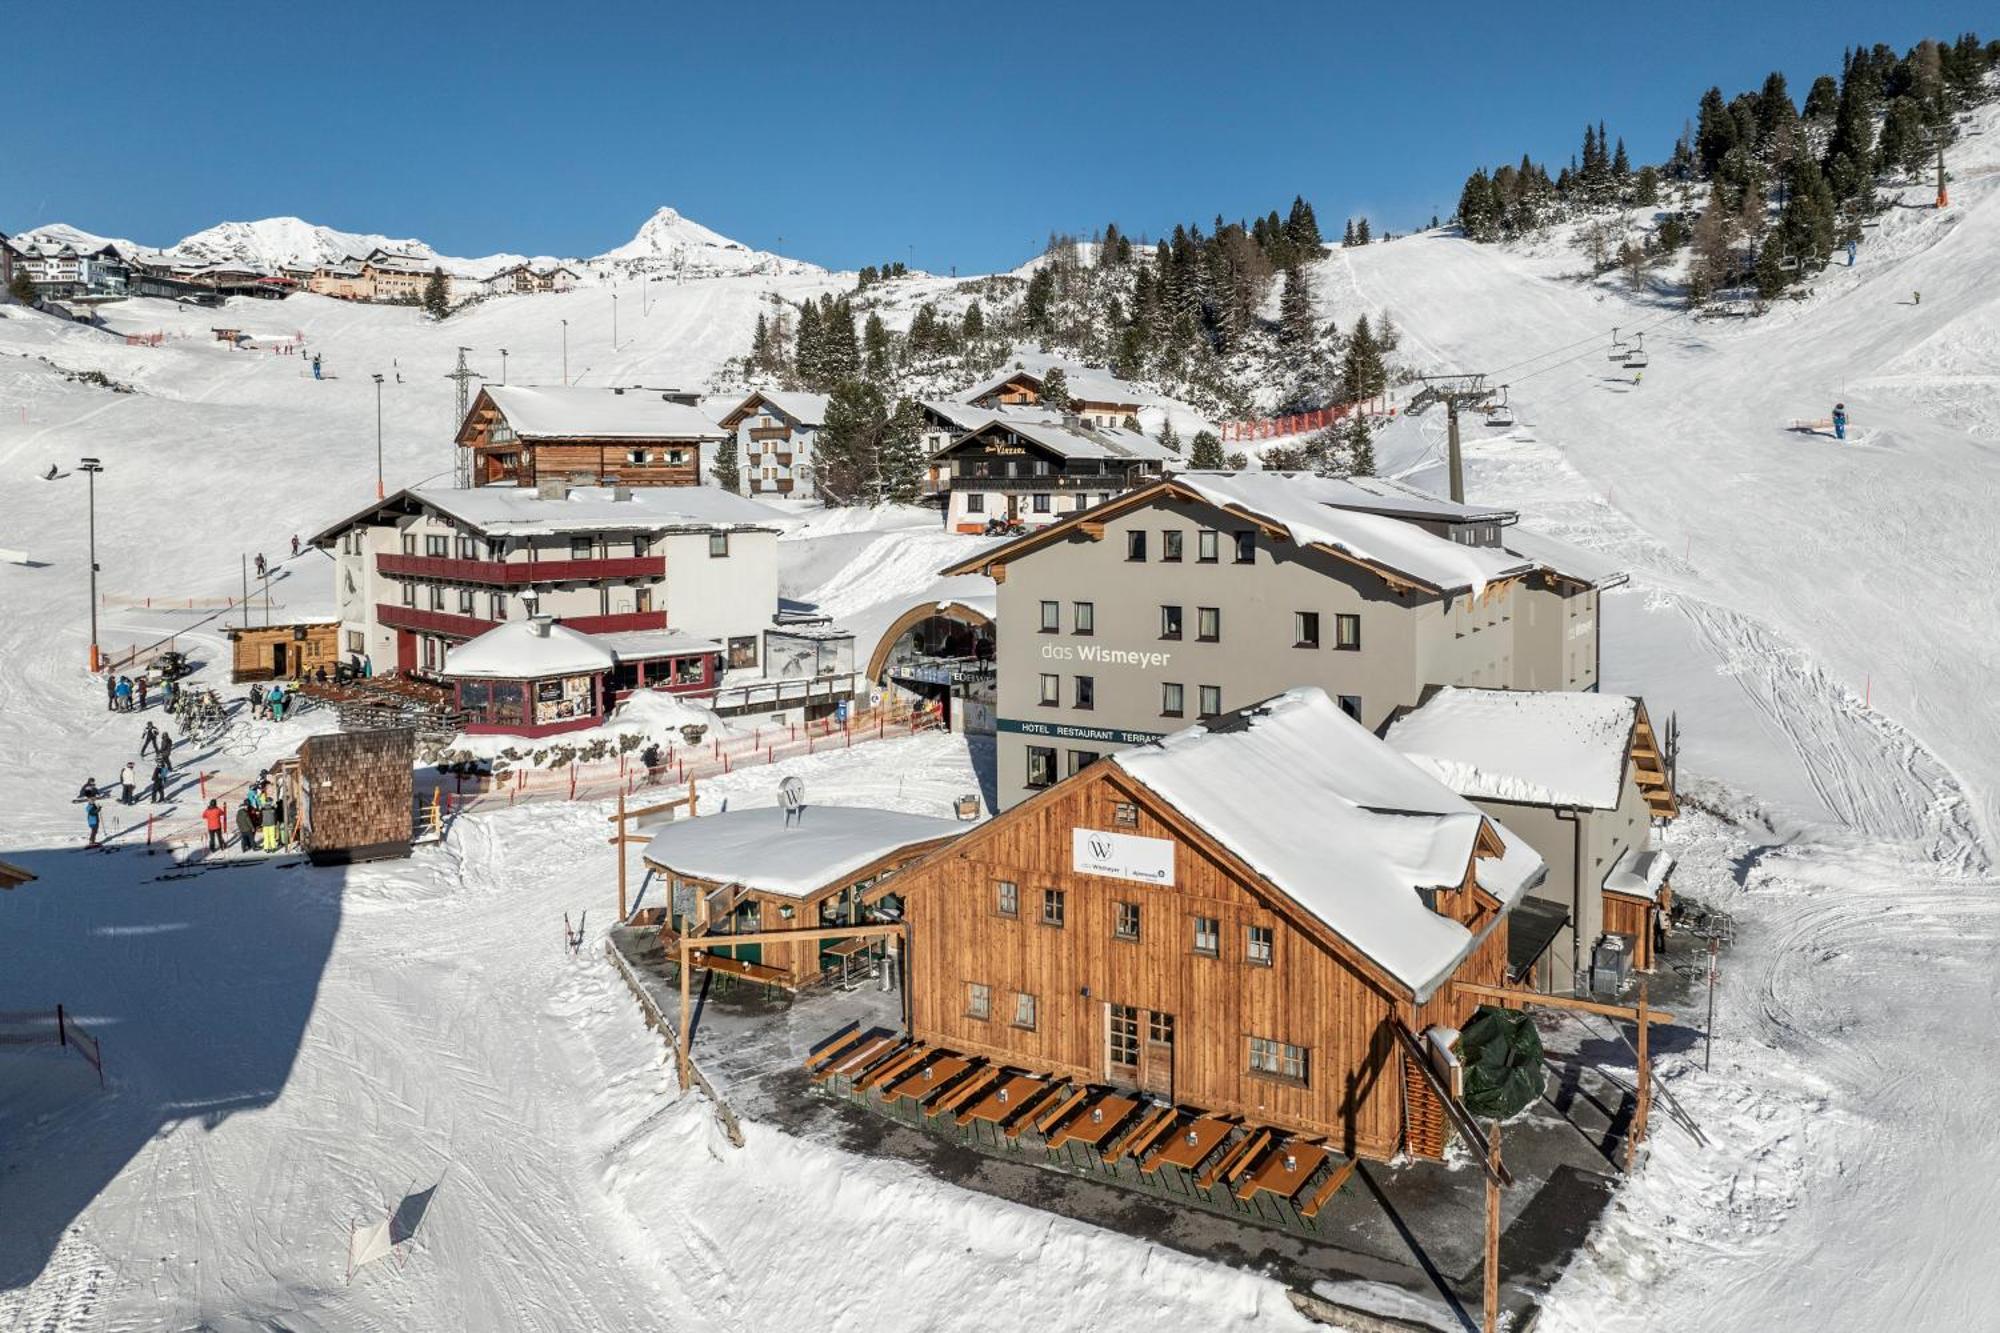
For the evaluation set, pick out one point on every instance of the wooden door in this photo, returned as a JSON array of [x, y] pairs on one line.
[[1157, 1055], [1122, 1024], [278, 671], [406, 651]]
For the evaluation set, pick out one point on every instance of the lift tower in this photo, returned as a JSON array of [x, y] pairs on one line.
[[1454, 391]]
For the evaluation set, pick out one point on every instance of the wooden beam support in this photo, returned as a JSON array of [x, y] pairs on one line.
[[1517, 995], [1636, 1134], [681, 1063], [621, 856], [714, 941], [1492, 1284]]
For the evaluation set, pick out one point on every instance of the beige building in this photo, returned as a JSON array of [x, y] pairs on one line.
[[343, 281], [1199, 594]]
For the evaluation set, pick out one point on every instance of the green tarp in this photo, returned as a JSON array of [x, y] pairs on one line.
[[1502, 1055]]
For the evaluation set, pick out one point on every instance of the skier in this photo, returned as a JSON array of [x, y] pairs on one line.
[[143, 684], [110, 692], [93, 816], [1850, 254], [1916, 298], [128, 778], [316, 374], [270, 830], [260, 564], [159, 783], [1840, 421], [150, 739], [295, 544], [213, 817], [166, 752], [167, 695], [246, 825], [121, 694], [88, 791], [256, 701], [51, 474]]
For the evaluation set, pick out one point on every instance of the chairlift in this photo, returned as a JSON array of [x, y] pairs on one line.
[[1500, 415], [1617, 347], [1635, 359]]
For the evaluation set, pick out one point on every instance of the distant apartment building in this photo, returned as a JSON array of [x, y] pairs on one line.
[[522, 435], [343, 281], [773, 433], [1195, 595], [396, 276], [526, 279], [61, 270], [1018, 470]]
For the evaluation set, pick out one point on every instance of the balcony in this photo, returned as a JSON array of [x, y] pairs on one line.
[[512, 573], [431, 622], [618, 623]]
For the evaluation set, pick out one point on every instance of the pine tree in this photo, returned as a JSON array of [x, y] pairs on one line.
[[760, 344], [22, 288], [1302, 228], [840, 350], [1768, 273], [1035, 306], [1717, 132], [1823, 99], [1205, 452], [1296, 323], [1360, 441], [1055, 390], [1387, 336], [847, 452], [809, 358], [1621, 165], [1903, 144], [1362, 372], [1168, 440], [437, 294], [1646, 187], [903, 459], [1477, 215], [974, 325], [1361, 236], [1347, 237], [728, 470], [876, 350]]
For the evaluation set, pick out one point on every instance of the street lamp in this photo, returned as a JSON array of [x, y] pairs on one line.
[[91, 467], [378, 436], [614, 321], [503, 365], [565, 337]]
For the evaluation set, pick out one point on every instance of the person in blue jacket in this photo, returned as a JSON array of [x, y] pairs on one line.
[[1840, 421]]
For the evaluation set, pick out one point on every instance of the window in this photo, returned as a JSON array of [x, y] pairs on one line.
[[1041, 766], [1347, 633], [496, 606], [1041, 504], [1246, 547], [1170, 544], [1257, 945], [1160, 1028], [466, 549], [436, 545], [1305, 629], [1350, 704], [1084, 692], [437, 597], [975, 502], [642, 598], [1052, 907], [1277, 1059], [1125, 815], [1082, 759], [497, 550], [743, 651], [1208, 936], [1084, 617], [1173, 699], [1051, 690], [465, 601], [1126, 924], [718, 545], [1204, 546], [677, 457], [1024, 1010], [1170, 622], [1007, 897], [1208, 624], [357, 641], [1210, 700], [1135, 544], [579, 548], [642, 545], [1122, 1037], [1051, 617], [978, 1000], [409, 593]]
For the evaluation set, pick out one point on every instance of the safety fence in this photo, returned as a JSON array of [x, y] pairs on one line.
[[51, 1027], [135, 826], [1303, 423], [137, 601], [677, 764]]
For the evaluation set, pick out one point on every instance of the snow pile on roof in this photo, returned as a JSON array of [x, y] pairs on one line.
[[1639, 874], [519, 510], [1310, 510], [1381, 495], [1072, 440], [755, 848], [807, 409], [1564, 558], [1339, 822], [1084, 384], [569, 412], [1540, 747], [528, 650]]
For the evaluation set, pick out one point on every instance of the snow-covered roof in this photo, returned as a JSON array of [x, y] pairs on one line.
[[826, 845], [572, 412], [1090, 386], [1380, 495], [1309, 509], [517, 510], [1539, 747], [632, 644], [527, 650], [1069, 439], [1565, 558], [807, 409], [1338, 822], [1639, 873], [973, 592]]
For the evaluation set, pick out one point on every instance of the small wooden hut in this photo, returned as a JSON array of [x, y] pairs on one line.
[[283, 652], [356, 793]]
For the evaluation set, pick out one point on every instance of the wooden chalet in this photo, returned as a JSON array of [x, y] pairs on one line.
[[522, 434], [283, 652], [1100, 399], [746, 872], [1258, 917]]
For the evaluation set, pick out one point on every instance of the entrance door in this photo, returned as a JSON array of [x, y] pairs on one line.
[[278, 671], [406, 651], [1139, 1049]]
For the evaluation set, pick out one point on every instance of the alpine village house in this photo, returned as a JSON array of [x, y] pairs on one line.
[[520, 435]]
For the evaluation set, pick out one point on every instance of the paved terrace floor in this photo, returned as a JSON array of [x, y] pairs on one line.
[[1414, 1226]]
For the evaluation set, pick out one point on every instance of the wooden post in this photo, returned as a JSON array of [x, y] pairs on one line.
[[1493, 1230], [1638, 1129], [681, 1036], [621, 854]]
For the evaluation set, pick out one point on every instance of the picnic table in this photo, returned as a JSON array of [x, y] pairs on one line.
[[1003, 1101], [1276, 1177], [927, 1078], [1187, 1148], [1093, 1125]]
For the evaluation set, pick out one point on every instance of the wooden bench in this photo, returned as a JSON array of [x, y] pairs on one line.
[[737, 967], [1226, 1167], [1328, 1188], [884, 1070], [855, 1058], [841, 1041], [974, 1085], [1141, 1135]]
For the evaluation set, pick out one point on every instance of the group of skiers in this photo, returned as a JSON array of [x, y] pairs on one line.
[[260, 820], [153, 741], [123, 694], [275, 702]]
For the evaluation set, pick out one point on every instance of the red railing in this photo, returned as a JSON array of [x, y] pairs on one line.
[[431, 622], [516, 572], [615, 624]]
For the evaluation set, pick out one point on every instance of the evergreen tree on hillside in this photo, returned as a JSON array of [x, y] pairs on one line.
[[1477, 214], [1297, 325], [1621, 165], [437, 294], [1347, 238], [1362, 371], [903, 461], [808, 360], [1168, 440], [876, 350], [1715, 133], [847, 453], [1359, 438], [1035, 307], [1774, 107], [1361, 232], [760, 344], [1205, 452], [1807, 221], [840, 350], [1904, 145], [1387, 336], [1646, 187], [1823, 99], [1055, 390], [22, 288], [1303, 228], [974, 325], [728, 470]]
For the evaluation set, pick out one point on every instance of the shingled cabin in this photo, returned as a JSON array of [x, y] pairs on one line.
[[520, 434]]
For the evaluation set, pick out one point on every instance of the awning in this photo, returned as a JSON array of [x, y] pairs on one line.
[[1637, 874], [1531, 927]]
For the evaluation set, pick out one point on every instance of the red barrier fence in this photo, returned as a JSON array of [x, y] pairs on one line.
[[1302, 423]]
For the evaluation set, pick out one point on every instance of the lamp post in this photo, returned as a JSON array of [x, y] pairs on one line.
[[91, 467], [614, 321], [378, 436], [565, 337], [503, 365]]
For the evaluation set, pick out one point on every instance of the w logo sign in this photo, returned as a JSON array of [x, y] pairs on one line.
[[1100, 847]]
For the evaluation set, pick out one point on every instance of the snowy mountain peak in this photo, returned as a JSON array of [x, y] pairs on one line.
[[271, 243], [670, 241]]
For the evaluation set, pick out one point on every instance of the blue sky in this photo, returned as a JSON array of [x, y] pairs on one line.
[[951, 134]]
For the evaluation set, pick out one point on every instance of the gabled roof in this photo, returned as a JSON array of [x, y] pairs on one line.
[[1341, 824], [1291, 506], [801, 409], [1090, 386], [1070, 439], [1565, 560], [1380, 495], [570, 412], [527, 650], [826, 846], [516, 511], [1538, 747]]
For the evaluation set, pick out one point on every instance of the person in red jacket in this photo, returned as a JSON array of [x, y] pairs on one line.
[[213, 817]]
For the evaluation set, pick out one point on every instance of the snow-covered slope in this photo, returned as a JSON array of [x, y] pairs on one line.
[[61, 233], [271, 243], [669, 243]]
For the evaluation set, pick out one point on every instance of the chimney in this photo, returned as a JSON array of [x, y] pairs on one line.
[[551, 488], [621, 492], [539, 626]]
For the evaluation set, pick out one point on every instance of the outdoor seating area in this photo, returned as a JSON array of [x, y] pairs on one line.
[[1253, 1173]]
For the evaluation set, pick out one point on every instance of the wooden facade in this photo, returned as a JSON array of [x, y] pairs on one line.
[[357, 795], [1136, 988], [500, 457], [283, 652]]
